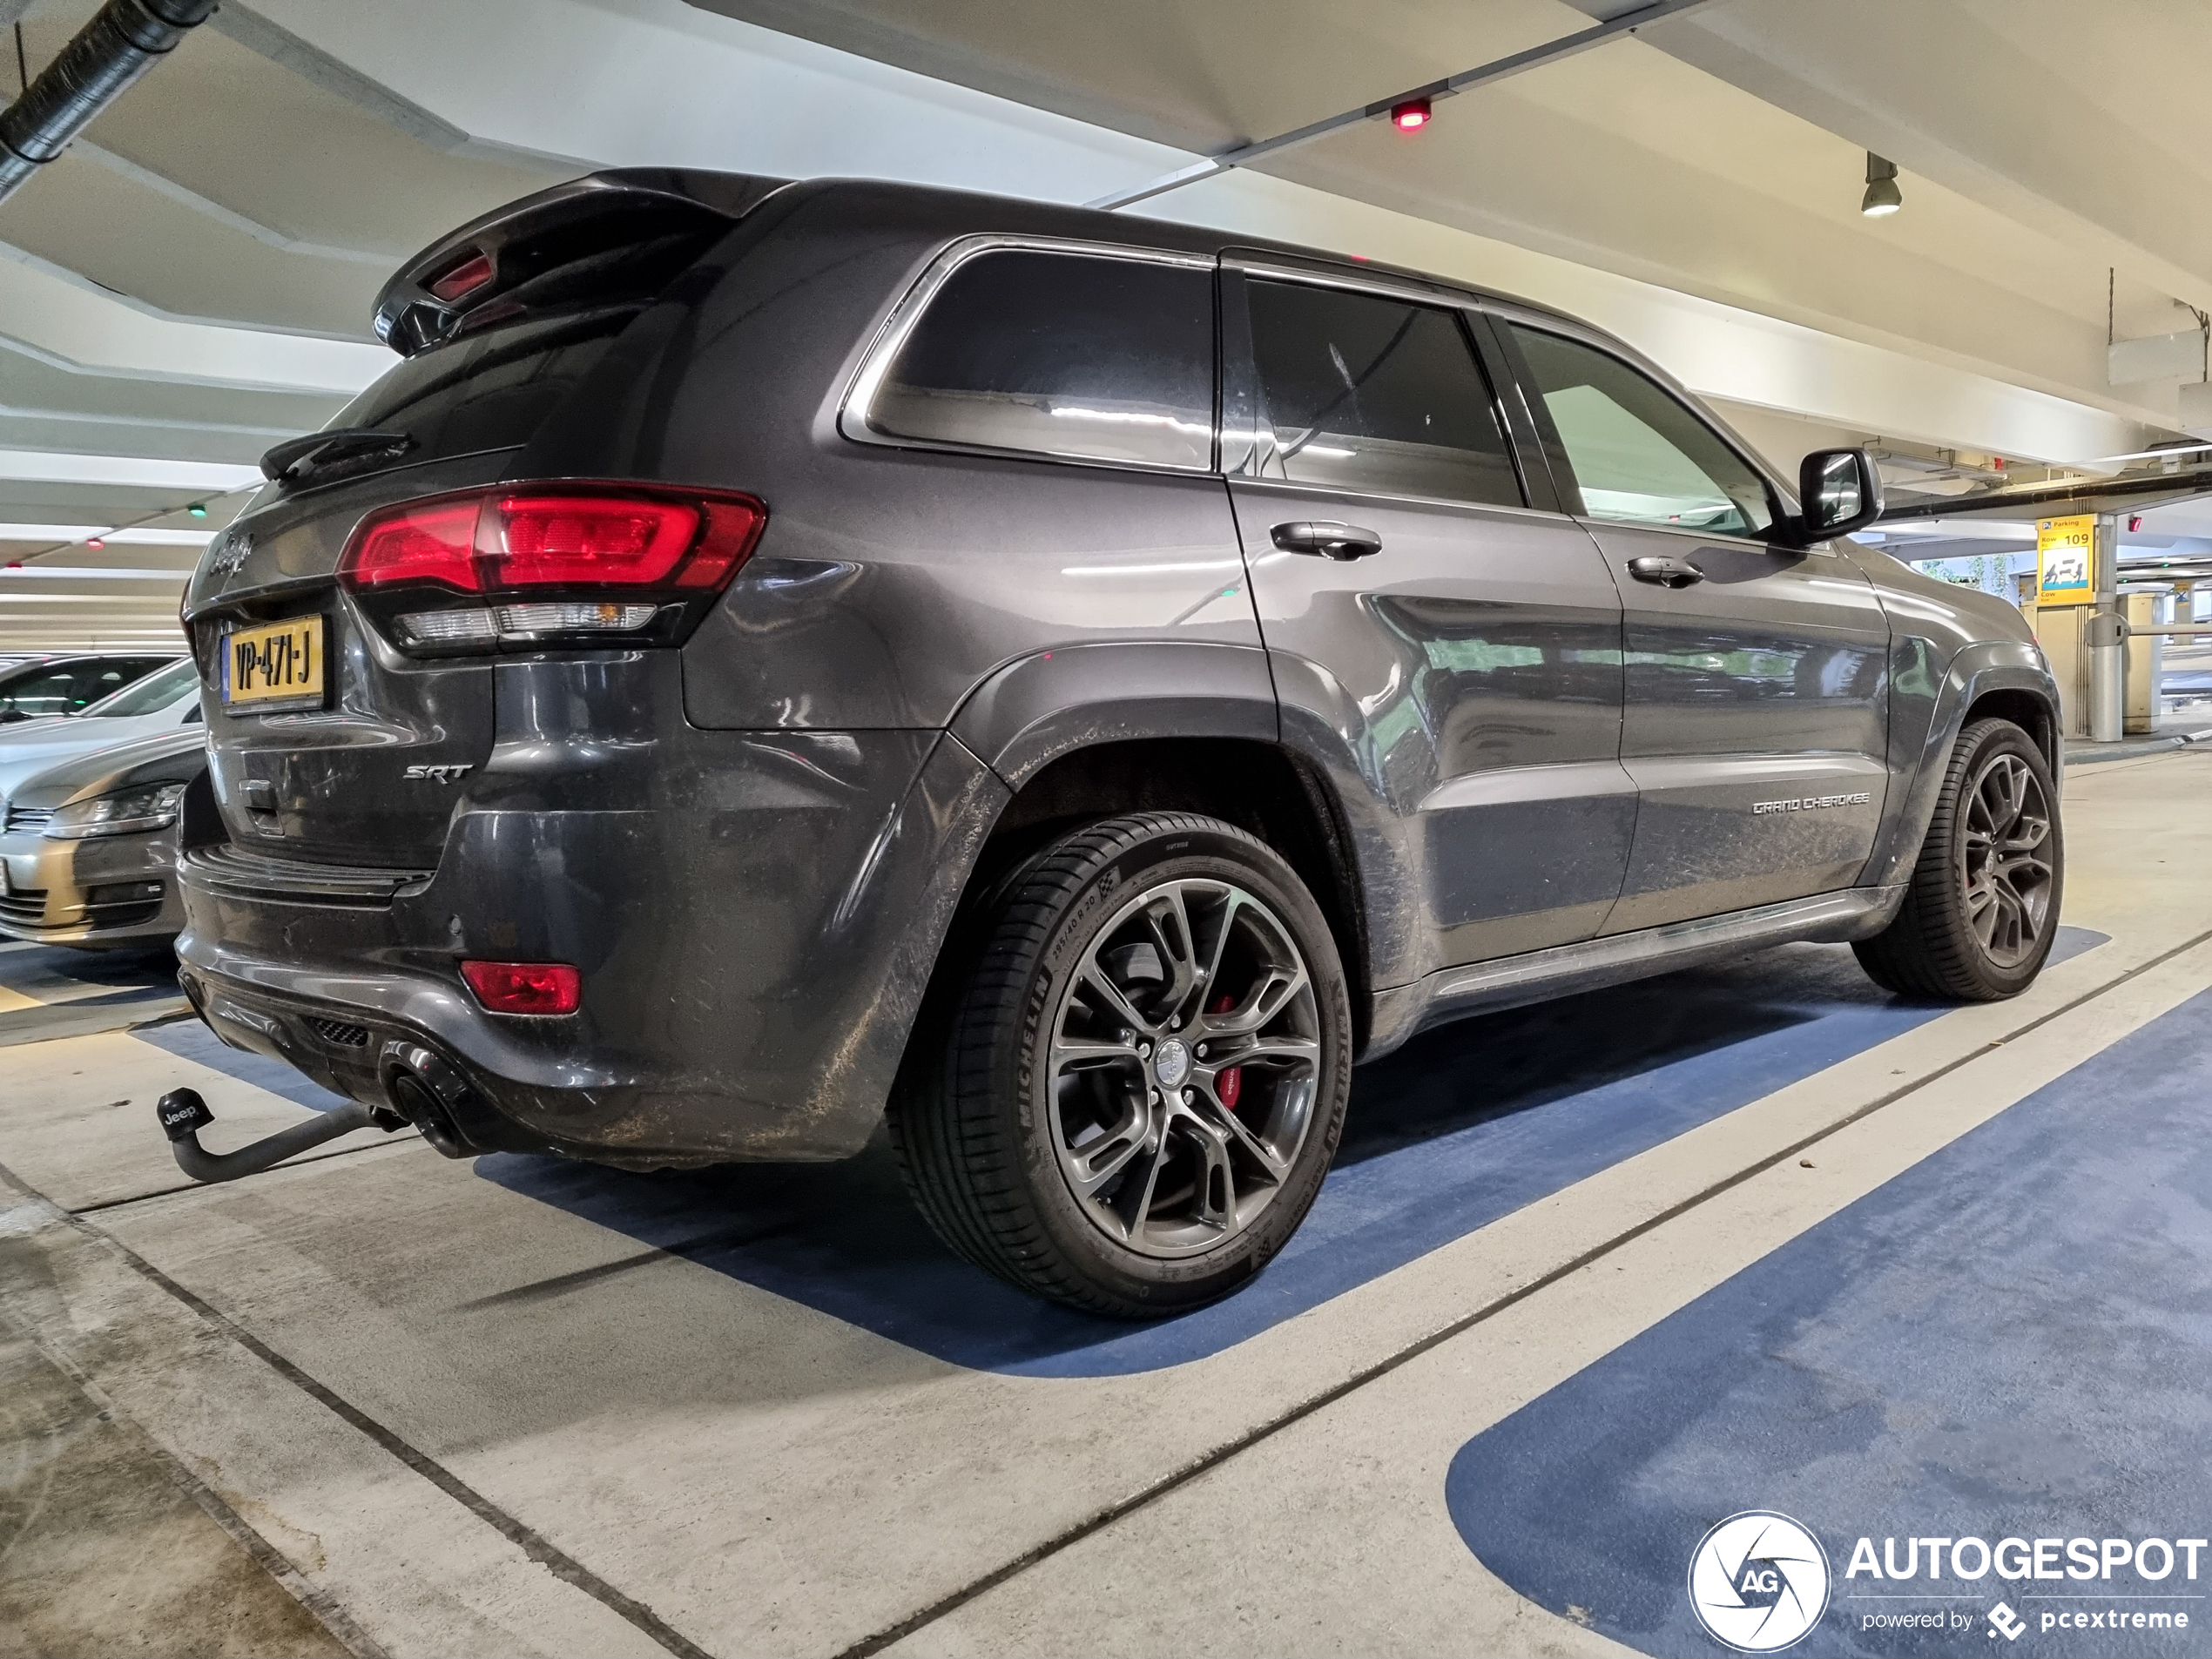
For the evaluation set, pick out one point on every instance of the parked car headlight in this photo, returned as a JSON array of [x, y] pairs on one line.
[[128, 811]]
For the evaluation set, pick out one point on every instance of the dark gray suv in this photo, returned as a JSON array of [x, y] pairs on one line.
[[773, 658]]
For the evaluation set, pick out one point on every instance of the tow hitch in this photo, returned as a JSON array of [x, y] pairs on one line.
[[183, 1114]]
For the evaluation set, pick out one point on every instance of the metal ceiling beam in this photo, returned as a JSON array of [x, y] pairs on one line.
[[1483, 75], [2120, 495]]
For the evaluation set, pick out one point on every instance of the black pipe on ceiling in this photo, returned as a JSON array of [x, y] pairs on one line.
[[125, 40]]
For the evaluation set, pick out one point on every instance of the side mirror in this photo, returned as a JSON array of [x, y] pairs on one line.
[[1838, 491]]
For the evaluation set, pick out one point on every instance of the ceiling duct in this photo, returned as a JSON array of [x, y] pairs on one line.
[[123, 40]]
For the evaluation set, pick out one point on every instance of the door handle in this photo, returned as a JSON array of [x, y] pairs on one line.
[[1326, 538], [1667, 572]]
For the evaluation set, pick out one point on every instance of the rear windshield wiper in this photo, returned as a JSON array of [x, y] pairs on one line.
[[295, 455]]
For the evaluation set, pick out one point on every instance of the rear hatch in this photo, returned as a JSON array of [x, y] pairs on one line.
[[347, 705]]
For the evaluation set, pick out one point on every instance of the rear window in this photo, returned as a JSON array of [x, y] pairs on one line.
[[490, 391], [1082, 356]]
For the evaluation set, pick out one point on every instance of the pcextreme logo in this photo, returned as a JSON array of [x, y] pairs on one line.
[[1758, 1581]]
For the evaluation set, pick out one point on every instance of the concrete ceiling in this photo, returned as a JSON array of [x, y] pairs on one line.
[[192, 280]]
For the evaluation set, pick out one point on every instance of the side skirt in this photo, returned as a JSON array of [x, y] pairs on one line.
[[1513, 981]]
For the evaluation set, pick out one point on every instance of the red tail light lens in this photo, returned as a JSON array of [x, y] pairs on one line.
[[433, 542], [499, 542], [567, 540], [525, 988]]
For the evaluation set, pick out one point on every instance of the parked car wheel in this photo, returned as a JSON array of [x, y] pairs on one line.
[[1982, 907], [1134, 1095]]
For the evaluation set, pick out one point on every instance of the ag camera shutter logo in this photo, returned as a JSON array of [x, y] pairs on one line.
[[1758, 1581]]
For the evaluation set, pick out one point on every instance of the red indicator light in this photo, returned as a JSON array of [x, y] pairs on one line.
[[94, 541], [463, 280], [1410, 116], [525, 988]]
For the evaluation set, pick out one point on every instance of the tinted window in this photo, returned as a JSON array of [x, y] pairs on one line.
[[153, 693], [1373, 394], [488, 392], [1061, 354], [96, 680], [39, 695], [1639, 455]]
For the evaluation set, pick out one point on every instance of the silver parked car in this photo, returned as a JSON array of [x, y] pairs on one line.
[[163, 702], [88, 849]]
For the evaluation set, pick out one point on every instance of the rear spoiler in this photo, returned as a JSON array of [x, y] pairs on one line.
[[498, 265]]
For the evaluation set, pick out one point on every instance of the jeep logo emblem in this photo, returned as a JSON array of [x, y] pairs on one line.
[[231, 554]]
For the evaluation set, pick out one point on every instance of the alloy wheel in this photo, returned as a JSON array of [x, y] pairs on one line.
[[2005, 860], [1183, 1067]]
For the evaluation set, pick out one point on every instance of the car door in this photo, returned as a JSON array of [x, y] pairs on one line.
[[1465, 646], [1757, 692]]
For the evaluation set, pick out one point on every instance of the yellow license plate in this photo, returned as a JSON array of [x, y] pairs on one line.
[[277, 664]]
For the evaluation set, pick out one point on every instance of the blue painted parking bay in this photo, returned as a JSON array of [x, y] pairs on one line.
[[2010, 1339], [1461, 1127]]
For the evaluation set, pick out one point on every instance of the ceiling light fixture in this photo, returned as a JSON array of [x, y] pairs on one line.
[[1883, 198], [1410, 116]]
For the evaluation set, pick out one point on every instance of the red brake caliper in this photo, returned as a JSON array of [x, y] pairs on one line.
[[1230, 1083]]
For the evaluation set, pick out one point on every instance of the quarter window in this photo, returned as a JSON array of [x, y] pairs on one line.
[[1077, 356], [1638, 454], [1373, 394]]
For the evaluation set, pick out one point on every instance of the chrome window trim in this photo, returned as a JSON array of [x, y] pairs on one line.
[[1387, 284], [854, 409]]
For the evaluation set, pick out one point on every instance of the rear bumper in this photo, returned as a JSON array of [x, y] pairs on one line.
[[753, 948], [103, 891]]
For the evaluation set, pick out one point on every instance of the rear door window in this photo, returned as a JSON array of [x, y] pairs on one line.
[[1368, 393], [1639, 456], [1077, 356]]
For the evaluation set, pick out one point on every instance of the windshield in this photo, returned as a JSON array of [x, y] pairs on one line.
[[151, 695]]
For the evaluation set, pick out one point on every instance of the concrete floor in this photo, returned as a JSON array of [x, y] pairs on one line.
[[1588, 1278]]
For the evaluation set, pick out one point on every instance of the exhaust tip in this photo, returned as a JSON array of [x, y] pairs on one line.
[[416, 1101]]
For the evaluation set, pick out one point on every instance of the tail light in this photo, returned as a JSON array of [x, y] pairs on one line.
[[538, 565]]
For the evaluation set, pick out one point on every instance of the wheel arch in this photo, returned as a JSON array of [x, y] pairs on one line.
[[1999, 677]]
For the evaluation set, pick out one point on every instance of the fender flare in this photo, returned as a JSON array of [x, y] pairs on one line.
[[1973, 672], [1033, 710]]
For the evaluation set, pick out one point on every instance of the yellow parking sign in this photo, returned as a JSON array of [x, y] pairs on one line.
[[2064, 554]]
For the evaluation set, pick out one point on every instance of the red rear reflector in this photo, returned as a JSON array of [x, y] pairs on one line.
[[525, 988], [463, 280], [590, 539]]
